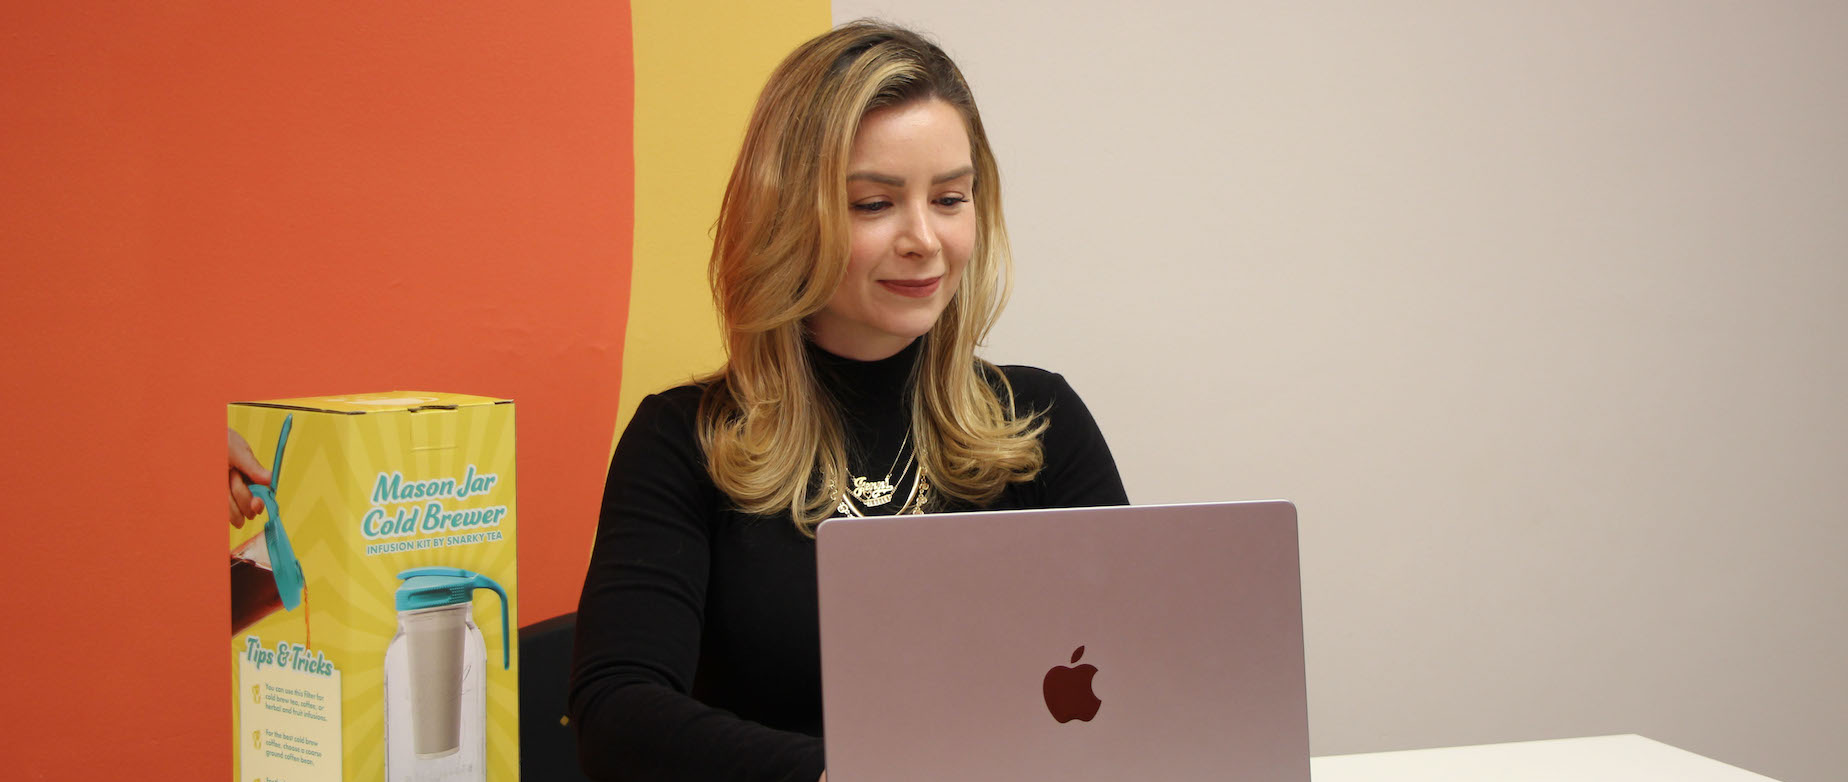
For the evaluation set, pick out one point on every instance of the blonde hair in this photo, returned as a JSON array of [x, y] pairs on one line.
[[773, 439]]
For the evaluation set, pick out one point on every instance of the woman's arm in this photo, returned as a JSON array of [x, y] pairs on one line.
[[640, 620]]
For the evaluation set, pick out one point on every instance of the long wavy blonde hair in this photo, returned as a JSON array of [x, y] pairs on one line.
[[773, 438]]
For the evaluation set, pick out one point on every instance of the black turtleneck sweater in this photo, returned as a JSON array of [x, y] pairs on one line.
[[698, 650]]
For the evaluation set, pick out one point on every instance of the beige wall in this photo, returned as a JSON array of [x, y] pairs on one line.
[[1536, 310]]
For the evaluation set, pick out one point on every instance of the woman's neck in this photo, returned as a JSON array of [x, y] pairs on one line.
[[866, 386], [860, 346]]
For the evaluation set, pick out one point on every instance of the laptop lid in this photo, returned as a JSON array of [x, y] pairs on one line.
[[1161, 642]]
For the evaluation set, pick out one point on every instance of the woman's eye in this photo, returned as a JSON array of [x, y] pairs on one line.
[[873, 206], [952, 201]]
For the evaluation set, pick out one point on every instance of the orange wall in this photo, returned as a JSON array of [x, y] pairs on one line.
[[203, 202]]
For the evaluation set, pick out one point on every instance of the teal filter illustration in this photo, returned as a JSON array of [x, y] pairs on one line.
[[265, 575], [436, 678]]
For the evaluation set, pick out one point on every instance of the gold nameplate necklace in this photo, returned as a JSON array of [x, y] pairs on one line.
[[873, 494], [866, 494]]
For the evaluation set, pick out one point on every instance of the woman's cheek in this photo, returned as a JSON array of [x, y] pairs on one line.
[[864, 251], [960, 244]]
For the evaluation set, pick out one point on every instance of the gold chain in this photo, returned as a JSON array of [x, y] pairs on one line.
[[873, 494]]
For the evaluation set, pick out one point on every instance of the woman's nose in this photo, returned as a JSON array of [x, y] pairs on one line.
[[918, 238]]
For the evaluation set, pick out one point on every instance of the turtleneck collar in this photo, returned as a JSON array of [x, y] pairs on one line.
[[875, 387]]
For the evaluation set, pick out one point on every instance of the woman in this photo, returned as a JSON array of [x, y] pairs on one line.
[[860, 256]]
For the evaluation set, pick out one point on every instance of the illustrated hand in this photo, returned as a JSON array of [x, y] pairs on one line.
[[245, 470]]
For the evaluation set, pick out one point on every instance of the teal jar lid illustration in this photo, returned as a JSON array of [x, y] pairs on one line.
[[436, 587]]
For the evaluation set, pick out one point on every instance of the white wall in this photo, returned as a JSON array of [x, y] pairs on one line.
[[1535, 308]]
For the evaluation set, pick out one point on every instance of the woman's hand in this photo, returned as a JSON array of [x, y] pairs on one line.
[[245, 470]]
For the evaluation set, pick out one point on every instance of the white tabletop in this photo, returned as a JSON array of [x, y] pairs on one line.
[[1627, 758]]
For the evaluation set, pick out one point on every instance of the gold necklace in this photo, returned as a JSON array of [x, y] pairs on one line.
[[873, 494], [915, 502]]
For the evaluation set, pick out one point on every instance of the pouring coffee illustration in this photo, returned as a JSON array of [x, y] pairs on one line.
[[435, 678], [266, 577]]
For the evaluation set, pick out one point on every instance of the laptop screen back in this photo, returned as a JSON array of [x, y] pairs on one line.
[[1095, 643]]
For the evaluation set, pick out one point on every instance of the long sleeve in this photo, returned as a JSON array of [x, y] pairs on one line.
[[641, 616]]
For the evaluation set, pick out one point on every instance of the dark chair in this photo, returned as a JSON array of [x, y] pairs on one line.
[[548, 743]]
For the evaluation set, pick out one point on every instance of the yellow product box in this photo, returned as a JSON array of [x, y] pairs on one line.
[[373, 589]]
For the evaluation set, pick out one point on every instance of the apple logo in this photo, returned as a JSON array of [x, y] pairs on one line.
[[1068, 691]]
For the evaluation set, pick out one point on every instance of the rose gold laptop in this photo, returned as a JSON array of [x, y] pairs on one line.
[[1161, 642]]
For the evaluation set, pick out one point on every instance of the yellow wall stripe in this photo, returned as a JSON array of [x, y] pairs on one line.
[[698, 69]]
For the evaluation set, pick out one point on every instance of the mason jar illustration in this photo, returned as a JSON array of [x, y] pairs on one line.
[[436, 707]]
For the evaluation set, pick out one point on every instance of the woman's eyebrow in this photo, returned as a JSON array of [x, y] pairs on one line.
[[894, 181], [953, 175]]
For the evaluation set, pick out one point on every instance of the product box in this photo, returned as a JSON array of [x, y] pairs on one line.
[[373, 622]]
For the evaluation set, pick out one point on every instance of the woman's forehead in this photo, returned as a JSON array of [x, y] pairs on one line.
[[922, 137]]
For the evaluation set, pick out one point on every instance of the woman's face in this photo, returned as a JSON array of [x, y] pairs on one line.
[[910, 182]]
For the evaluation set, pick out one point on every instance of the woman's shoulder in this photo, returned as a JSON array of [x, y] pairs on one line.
[[661, 440], [679, 397], [674, 409], [1035, 387], [1079, 470]]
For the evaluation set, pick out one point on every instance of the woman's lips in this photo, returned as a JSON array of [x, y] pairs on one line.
[[916, 289]]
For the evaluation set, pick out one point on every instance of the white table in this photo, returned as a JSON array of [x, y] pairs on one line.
[[1627, 758]]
